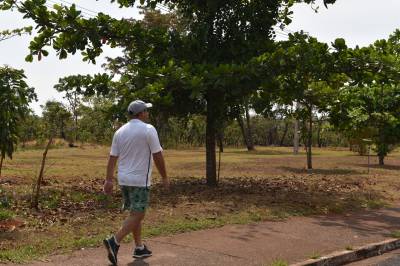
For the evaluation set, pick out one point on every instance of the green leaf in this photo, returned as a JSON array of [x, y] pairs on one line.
[[29, 58]]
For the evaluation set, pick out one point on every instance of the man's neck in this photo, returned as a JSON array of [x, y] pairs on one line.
[[137, 118]]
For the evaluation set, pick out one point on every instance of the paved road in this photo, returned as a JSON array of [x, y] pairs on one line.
[[387, 259]]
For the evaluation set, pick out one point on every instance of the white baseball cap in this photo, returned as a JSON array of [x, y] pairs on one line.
[[138, 106]]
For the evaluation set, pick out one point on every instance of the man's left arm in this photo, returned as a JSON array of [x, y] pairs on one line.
[[108, 183]]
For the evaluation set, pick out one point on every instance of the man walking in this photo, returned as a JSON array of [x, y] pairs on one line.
[[133, 146]]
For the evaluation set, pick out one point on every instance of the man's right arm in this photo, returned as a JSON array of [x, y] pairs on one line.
[[108, 182], [112, 161], [160, 164]]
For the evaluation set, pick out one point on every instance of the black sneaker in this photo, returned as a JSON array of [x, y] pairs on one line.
[[112, 249], [142, 253]]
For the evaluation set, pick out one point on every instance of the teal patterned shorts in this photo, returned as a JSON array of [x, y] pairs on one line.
[[135, 198]]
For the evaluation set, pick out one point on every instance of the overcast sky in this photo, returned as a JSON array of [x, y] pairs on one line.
[[359, 22]]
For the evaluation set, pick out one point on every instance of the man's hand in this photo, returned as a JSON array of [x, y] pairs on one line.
[[108, 187], [159, 161]]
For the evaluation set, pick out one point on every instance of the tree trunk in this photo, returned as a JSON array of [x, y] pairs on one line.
[[284, 133], [241, 125], [62, 131], [319, 134], [381, 159], [296, 137], [382, 147], [76, 129], [1, 163], [211, 130], [250, 142], [75, 117], [220, 137], [36, 192], [309, 142], [272, 135]]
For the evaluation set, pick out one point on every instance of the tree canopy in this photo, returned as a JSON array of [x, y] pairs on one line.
[[15, 96], [211, 54]]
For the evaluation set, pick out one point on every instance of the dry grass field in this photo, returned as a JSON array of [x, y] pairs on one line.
[[269, 183]]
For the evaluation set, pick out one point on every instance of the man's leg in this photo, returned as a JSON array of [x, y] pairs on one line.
[[141, 250], [137, 230], [131, 224]]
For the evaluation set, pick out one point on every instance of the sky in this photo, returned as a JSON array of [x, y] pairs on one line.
[[359, 22]]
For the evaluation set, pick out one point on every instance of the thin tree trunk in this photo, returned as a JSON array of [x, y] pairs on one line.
[[1, 163], [296, 137], [241, 125], [284, 133], [63, 135], [381, 159], [309, 144], [250, 141], [319, 140], [382, 149], [76, 118], [220, 137], [211, 166], [36, 194], [272, 135]]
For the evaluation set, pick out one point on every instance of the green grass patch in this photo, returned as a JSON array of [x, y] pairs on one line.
[[315, 256], [279, 262], [283, 212], [376, 203], [77, 196], [50, 197], [182, 225], [395, 234], [101, 197], [20, 254], [5, 214], [51, 202], [45, 246]]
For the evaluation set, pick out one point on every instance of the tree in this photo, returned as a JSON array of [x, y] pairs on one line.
[[15, 96], [72, 87], [306, 75], [96, 123], [211, 55], [31, 128], [371, 112], [56, 118], [368, 106]]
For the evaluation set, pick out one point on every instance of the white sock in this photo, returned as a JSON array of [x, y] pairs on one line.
[[115, 240], [140, 247]]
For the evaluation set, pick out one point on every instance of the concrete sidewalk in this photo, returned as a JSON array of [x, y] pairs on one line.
[[293, 240]]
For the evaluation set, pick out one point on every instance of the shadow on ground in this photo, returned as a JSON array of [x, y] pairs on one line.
[[367, 223], [384, 167], [265, 152], [336, 171], [138, 262]]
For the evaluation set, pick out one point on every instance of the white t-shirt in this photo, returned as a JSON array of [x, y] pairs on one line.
[[134, 144]]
